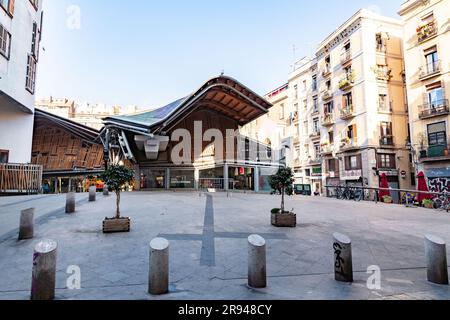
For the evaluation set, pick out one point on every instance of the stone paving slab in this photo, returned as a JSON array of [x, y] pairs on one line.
[[299, 260]]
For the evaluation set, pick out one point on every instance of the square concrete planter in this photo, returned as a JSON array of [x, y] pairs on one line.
[[112, 225], [284, 220]]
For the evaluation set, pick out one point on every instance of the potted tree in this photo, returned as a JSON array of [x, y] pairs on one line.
[[115, 177], [282, 183]]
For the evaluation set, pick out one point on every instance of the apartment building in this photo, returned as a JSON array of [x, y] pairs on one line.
[[87, 114], [364, 119], [427, 68], [348, 107], [305, 123], [272, 129], [20, 35]]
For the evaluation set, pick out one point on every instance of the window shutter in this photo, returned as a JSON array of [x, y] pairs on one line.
[[355, 133], [11, 7], [359, 161]]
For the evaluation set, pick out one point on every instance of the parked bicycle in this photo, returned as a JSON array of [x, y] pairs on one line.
[[442, 202]]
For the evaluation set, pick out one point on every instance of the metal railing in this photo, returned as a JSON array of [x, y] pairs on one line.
[[20, 178], [430, 69], [347, 112], [435, 108], [346, 56], [427, 31], [215, 184], [372, 194]]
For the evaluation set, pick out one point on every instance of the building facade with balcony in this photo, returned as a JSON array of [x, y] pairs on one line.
[[20, 35], [364, 121], [427, 69]]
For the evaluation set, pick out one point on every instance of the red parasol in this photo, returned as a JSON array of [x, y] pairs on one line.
[[384, 184], [422, 186]]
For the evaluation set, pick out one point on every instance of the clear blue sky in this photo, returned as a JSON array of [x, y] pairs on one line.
[[149, 53]]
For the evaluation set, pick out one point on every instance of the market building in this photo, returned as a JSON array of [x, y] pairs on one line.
[[207, 121], [71, 154]]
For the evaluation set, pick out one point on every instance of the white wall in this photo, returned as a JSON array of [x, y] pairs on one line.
[[16, 125], [16, 131]]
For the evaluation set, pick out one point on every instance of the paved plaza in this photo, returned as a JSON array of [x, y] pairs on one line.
[[208, 246]]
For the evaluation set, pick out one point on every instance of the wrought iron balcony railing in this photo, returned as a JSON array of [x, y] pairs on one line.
[[347, 112], [434, 109], [430, 69], [427, 31]]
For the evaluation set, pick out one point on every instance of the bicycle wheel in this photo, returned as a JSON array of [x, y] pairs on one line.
[[437, 203]]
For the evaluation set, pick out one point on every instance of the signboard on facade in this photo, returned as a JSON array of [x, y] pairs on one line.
[[352, 175], [389, 173]]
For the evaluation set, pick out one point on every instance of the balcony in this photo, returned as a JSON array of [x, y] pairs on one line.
[[385, 107], [348, 144], [346, 83], [346, 57], [434, 109], [327, 71], [315, 134], [326, 95], [326, 150], [427, 31], [328, 120], [315, 111], [387, 141], [296, 141], [430, 70], [315, 161], [384, 74], [347, 113], [436, 153]]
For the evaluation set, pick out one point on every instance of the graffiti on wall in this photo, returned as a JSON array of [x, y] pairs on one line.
[[439, 184]]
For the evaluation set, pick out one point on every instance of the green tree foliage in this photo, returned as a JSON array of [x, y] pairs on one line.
[[282, 182], [115, 177]]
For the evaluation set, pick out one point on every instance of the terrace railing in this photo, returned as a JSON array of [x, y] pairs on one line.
[[20, 178]]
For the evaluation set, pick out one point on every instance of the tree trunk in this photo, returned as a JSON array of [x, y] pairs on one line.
[[118, 205], [282, 200]]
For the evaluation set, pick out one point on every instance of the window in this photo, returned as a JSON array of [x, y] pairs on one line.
[[317, 150], [8, 6], [305, 128], [316, 125], [386, 129], [381, 42], [296, 92], [31, 74], [304, 85], [383, 102], [35, 3], [316, 104], [428, 18], [329, 107], [435, 97], [4, 156], [432, 60], [331, 137], [347, 100], [35, 41], [305, 105], [332, 165], [308, 172], [5, 42], [281, 115], [386, 161], [437, 134], [353, 162], [328, 85], [314, 83], [351, 132]]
